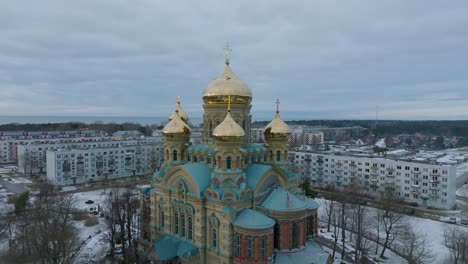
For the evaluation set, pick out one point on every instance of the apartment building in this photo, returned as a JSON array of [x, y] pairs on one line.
[[75, 166], [10, 140], [427, 183], [32, 157]]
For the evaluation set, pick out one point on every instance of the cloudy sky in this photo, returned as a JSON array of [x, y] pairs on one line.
[[324, 59]]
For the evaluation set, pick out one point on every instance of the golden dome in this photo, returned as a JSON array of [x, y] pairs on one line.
[[277, 126], [227, 84], [176, 126], [182, 114], [228, 128]]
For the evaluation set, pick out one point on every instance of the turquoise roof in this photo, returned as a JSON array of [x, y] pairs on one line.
[[200, 147], [281, 199], [312, 204], [252, 219], [254, 172], [168, 247], [228, 210], [200, 173], [146, 189]]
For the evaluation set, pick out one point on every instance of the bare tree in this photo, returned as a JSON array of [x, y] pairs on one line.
[[53, 236], [415, 247], [359, 229], [392, 223], [329, 205], [456, 241], [336, 230]]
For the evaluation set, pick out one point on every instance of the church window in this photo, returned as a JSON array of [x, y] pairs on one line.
[[238, 245], [277, 236], [278, 155], [243, 125], [211, 127], [190, 227], [228, 163], [195, 159], [176, 223], [263, 247], [167, 154], [182, 224], [188, 157], [252, 159], [214, 238], [208, 160], [294, 235], [249, 247], [162, 218], [264, 157], [174, 155]]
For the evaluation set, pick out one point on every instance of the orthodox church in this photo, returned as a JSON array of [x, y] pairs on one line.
[[226, 200]]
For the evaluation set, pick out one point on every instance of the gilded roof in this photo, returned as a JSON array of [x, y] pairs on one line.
[[277, 126], [226, 84], [176, 126], [228, 128], [182, 114]]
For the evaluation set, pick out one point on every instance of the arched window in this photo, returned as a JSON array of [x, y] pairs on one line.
[[174, 155], [195, 159], [211, 127], [277, 237], [238, 245], [252, 159], [294, 235], [214, 238], [162, 218], [278, 155], [249, 247], [176, 223], [219, 162], [263, 247], [264, 157], [182, 224], [167, 154], [188, 157], [228, 163], [190, 227]]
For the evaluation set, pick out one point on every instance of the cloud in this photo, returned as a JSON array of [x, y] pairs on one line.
[[323, 59]]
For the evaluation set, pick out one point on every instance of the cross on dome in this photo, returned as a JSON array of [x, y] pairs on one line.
[[277, 105]]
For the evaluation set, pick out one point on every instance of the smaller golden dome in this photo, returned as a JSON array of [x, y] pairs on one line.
[[228, 128], [176, 126], [277, 125], [182, 114]]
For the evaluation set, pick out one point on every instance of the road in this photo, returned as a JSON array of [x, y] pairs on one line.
[[15, 188]]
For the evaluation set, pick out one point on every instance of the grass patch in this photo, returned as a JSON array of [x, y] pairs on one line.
[[91, 221], [11, 174], [80, 216]]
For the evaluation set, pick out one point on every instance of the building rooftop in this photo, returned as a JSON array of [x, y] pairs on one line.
[[281, 199], [252, 219]]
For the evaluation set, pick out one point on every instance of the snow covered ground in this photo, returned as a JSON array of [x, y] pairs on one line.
[[431, 228]]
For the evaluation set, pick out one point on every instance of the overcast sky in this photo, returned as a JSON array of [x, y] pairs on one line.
[[323, 59]]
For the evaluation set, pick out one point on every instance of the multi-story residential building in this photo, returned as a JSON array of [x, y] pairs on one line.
[[10, 140], [257, 135], [427, 183], [118, 159], [32, 157]]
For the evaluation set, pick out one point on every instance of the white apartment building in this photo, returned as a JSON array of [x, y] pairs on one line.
[[10, 140], [429, 184], [32, 157], [256, 134], [75, 166]]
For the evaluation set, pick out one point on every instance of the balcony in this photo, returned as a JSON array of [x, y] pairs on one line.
[[415, 185], [435, 173], [433, 188], [432, 195], [415, 192], [415, 172], [374, 180], [434, 181]]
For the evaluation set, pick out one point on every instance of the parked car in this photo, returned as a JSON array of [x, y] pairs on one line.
[[464, 222], [406, 210]]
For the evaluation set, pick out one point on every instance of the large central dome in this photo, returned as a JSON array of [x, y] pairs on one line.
[[227, 84]]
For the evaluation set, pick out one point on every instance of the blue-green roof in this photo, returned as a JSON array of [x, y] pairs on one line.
[[200, 173], [252, 219], [200, 147], [168, 247], [228, 210], [254, 172], [146, 189], [281, 199], [312, 204]]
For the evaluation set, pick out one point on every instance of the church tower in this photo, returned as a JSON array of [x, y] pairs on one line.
[[215, 101], [277, 137], [177, 135]]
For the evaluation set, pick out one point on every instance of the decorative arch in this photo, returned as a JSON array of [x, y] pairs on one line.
[[229, 196], [179, 174], [279, 176]]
